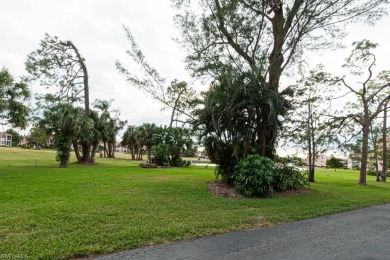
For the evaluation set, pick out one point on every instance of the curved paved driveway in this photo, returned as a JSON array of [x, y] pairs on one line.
[[358, 234]]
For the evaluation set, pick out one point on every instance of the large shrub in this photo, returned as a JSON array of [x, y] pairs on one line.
[[239, 113], [160, 154], [220, 153], [254, 176], [289, 178], [373, 173]]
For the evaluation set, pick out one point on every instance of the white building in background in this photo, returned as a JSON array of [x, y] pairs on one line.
[[320, 160], [121, 149], [201, 152], [5, 139], [353, 164]]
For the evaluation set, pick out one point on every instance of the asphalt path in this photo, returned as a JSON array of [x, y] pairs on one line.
[[357, 234]]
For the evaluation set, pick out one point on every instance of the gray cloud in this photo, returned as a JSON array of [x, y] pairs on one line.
[[96, 29]]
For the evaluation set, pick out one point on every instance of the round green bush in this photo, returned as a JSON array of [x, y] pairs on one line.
[[160, 154], [289, 178], [254, 176]]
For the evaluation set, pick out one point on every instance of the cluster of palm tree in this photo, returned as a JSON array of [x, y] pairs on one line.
[[239, 116], [161, 144], [71, 128]]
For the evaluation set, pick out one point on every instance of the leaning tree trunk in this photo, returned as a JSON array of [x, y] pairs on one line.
[[86, 146], [363, 169], [93, 152], [175, 107], [76, 150]]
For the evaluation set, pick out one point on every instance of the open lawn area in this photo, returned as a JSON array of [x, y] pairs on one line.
[[52, 213]]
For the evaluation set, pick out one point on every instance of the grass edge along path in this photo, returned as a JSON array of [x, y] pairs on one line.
[[51, 213]]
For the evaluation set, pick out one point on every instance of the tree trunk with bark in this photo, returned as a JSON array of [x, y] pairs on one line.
[[132, 151], [376, 163], [363, 169], [76, 150], [311, 157], [384, 167], [86, 147], [93, 152]]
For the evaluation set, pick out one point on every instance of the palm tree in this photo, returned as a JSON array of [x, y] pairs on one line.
[[239, 116], [147, 135], [68, 123], [59, 63], [177, 139], [129, 140], [108, 126]]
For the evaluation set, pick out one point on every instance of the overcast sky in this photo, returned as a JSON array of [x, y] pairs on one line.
[[95, 27]]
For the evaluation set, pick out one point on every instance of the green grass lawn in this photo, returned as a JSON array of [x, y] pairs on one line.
[[52, 213]]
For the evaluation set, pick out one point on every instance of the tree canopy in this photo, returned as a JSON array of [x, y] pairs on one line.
[[263, 37], [13, 95], [58, 63], [334, 163], [371, 93], [178, 96], [307, 125]]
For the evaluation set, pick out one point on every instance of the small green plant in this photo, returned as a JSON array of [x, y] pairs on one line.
[[254, 176], [289, 178]]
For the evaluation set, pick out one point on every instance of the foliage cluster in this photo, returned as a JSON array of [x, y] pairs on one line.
[[68, 123], [259, 176], [163, 144], [238, 115], [334, 163], [178, 96], [289, 178], [294, 160], [63, 150], [160, 153], [267, 38], [13, 96], [59, 66], [254, 176], [373, 173]]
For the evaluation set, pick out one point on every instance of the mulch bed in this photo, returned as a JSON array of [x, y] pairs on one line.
[[223, 189]]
